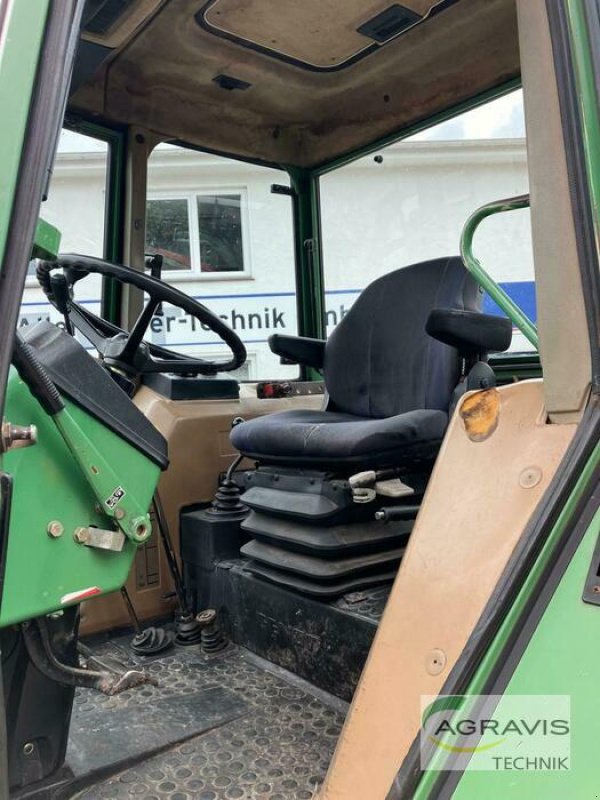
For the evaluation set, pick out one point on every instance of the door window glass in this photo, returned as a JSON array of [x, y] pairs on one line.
[[76, 205], [409, 202], [227, 240]]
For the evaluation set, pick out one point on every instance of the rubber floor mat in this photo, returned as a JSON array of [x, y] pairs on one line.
[[249, 731]]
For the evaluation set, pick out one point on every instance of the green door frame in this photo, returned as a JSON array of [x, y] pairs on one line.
[[497, 652], [37, 46], [310, 291]]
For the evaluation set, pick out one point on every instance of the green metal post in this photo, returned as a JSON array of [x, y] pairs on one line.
[[114, 228], [22, 28], [311, 316], [498, 295], [309, 273]]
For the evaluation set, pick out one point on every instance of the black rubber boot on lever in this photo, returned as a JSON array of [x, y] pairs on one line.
[[148, 641]]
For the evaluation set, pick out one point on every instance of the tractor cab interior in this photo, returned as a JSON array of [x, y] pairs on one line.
[[340, 517]]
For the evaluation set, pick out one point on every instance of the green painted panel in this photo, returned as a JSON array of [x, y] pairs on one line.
[[561, 659], [50, 486], [20, 45], [588, 100], [46, 242]]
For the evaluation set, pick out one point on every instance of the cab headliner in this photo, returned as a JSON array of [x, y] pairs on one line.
[[315, 90]]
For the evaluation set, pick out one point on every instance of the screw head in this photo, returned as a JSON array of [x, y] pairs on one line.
[[81, 535], [530, 477], [28, 748], [435, 661], [119, 513], [596, 589], [55, 529]]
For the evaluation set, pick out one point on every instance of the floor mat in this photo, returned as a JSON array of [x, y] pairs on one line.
[[247, 730]]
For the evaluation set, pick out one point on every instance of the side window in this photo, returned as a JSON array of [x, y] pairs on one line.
[[409, 202], [76, 205], [226, 240]]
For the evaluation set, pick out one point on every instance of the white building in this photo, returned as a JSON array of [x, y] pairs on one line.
[[378, 214]]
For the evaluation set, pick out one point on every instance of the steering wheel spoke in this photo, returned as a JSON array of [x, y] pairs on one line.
[[86, 324], [140, 327]]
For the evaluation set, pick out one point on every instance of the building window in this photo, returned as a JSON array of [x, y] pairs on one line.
[[199, 233], [220, 228], [168, 232]]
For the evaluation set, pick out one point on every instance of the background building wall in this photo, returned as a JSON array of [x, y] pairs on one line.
[[376, 217]]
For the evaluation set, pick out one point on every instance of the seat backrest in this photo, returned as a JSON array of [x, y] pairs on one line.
[[379, 361]]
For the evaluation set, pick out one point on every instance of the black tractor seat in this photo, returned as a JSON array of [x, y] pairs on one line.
[[389, 383], [391, 369]]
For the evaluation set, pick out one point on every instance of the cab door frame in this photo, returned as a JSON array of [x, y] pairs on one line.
[[37, 46]]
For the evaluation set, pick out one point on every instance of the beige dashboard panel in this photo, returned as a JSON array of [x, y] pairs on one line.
[[498, 458], [197, 433]]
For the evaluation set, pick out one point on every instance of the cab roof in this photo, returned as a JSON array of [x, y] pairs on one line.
[[288, 82]]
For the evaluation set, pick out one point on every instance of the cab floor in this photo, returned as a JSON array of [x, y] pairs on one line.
[[225, 727]]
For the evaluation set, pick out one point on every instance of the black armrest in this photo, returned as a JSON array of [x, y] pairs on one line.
[[470, 332], [298, 349]]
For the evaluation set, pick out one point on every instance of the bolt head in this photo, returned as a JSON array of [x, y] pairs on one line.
[[81, 535], [55, 529]]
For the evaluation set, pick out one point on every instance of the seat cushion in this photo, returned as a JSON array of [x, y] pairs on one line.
[[333, 440]]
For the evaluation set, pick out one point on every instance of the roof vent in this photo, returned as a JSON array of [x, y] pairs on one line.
[[388, 23], [99, 16], [229, 82]]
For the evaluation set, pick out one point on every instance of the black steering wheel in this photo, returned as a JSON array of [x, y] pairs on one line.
[[128, 351]]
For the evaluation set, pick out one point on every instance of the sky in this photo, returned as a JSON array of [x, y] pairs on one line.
[[499, 119]]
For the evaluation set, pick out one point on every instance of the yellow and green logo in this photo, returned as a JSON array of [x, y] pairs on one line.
[[437, 722]]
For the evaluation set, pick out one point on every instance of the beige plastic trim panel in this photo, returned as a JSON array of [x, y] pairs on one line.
[[561, 319], [486, 483], [197, 433], [140, 144]]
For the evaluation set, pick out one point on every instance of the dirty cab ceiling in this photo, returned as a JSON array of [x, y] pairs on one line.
[[289, 82]]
